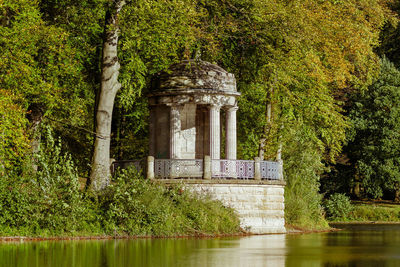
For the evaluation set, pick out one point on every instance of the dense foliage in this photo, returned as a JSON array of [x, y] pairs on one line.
[[312, 61], [50, 202], [374, 142], [338, 206], [159, 210]]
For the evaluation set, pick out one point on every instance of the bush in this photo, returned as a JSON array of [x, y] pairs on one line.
[[45, 201], [15, 204], [136, 206], [338, 206]]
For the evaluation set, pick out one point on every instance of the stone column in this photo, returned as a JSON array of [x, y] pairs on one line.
[[215, 144], [230, 135], [175, 128]]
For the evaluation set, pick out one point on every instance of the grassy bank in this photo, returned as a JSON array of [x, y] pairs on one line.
[[371, 211], [375, 211]]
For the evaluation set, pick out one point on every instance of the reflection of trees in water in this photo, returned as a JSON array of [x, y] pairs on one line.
[[356, 245], [246, 251], [369, 245]]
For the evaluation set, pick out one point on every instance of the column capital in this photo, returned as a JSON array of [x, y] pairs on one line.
[[232, 108], [215, 106]]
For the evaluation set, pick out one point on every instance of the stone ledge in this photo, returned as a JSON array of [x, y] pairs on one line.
[[267, 230], [221, 181], [203, 91]]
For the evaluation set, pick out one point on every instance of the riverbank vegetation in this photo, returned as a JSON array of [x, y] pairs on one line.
[[327, 71], [50, 203], [375, 212], [339, 208]]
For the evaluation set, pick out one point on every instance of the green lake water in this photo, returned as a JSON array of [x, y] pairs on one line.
[[357, 245]]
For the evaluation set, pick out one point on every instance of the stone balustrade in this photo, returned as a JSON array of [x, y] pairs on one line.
[[206, 168]]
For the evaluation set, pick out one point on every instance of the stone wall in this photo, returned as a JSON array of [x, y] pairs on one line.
[[260, 206]]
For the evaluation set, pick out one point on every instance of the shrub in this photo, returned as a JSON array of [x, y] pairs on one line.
[[15, 204], [338, 206], [45, 201], [133, 206], [136, 206], [204, 214]]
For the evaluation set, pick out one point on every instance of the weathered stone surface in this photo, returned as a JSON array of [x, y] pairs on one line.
[[192, 74], [260, 207]]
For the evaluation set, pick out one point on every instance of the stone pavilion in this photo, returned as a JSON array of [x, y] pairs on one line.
[[192, 140]]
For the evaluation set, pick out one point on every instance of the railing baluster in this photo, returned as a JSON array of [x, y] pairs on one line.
[[220, 168], [178, 168]]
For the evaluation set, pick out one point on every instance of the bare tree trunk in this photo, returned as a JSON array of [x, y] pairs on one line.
[[268, 126], [261, 146], [35, 117], [101, 175]]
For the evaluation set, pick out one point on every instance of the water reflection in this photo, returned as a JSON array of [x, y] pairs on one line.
[[247, 251], [356, 245], [257, 250], [377, 245]]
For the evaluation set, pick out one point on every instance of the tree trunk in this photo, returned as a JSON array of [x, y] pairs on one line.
[[100, 175], [268, 125], [35, 117], [397, 192]]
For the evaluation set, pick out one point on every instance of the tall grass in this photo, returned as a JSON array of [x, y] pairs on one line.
[[371, 212]]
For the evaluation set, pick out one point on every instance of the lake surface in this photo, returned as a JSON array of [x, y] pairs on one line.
[[357, 245]]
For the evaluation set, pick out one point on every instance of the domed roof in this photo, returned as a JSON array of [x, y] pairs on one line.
[[194, 75]]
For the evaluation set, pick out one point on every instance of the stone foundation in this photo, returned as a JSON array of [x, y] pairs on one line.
[[260, 206]]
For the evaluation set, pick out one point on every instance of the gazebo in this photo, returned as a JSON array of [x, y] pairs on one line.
[[192, 139], [192, 105], [185, 112]]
